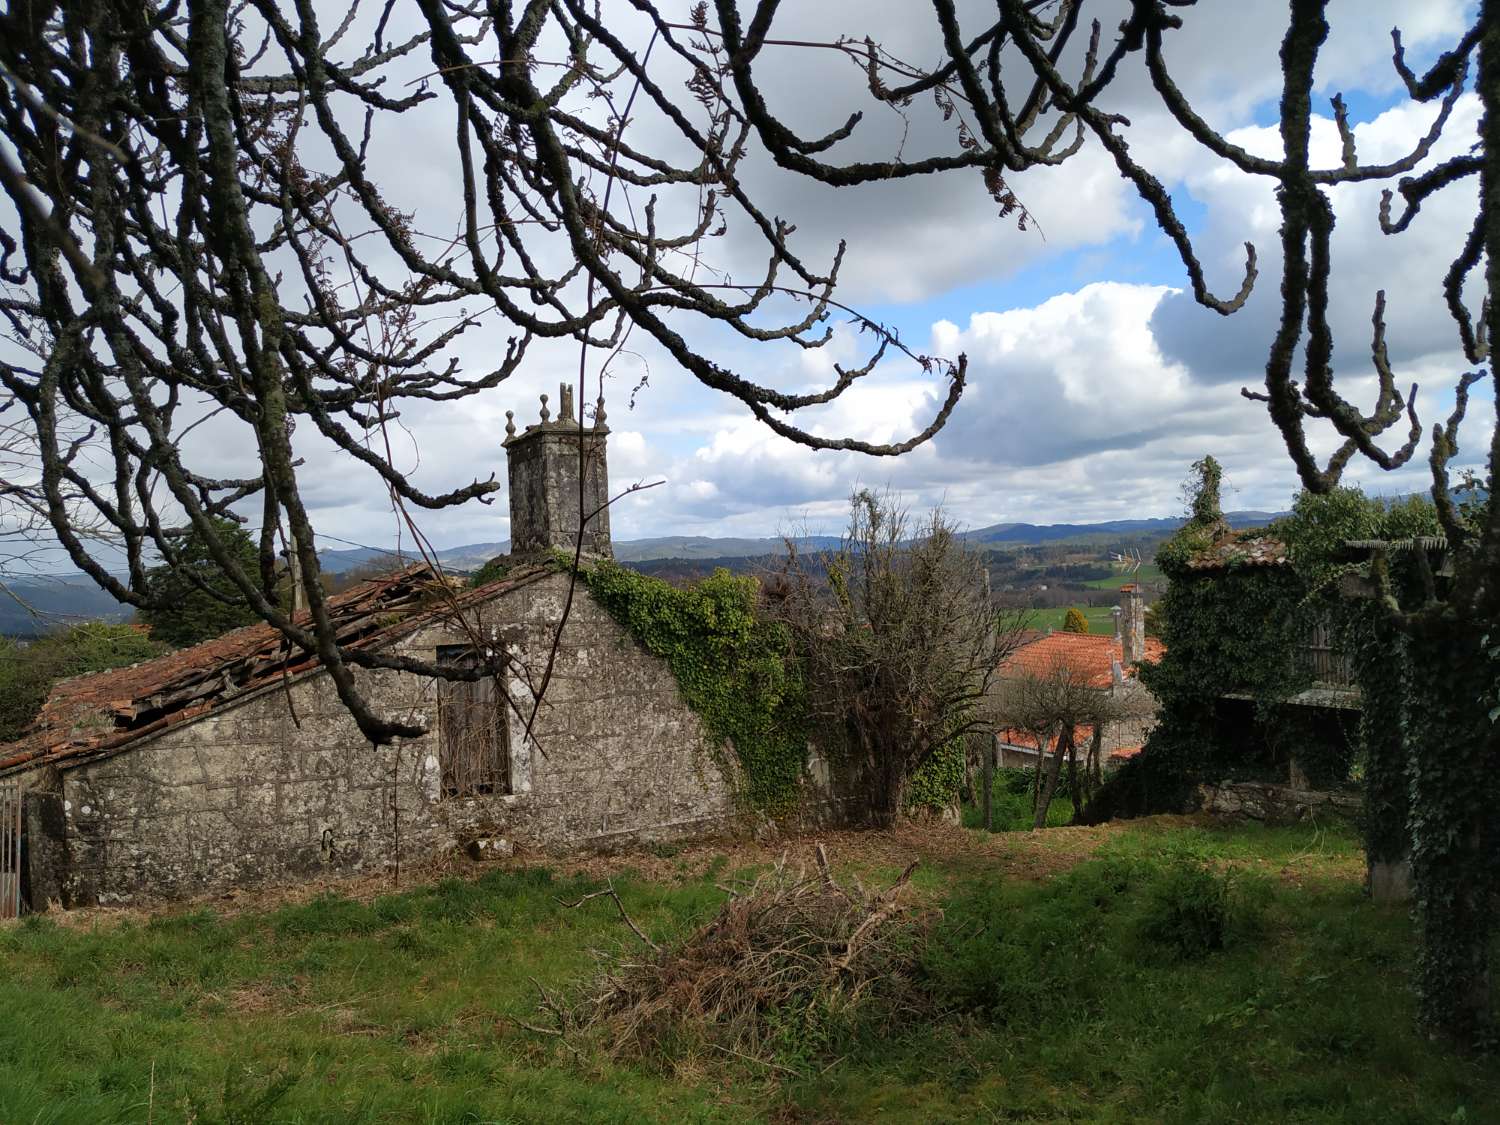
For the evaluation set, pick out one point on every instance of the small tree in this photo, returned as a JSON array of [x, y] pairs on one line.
[[191, 599], [1054, 704], [899, 644], [1075, 622]]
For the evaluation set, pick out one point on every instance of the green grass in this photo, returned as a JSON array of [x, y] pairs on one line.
[[1100, 618], [1074, 999], [1148, 573], [1011, 808]]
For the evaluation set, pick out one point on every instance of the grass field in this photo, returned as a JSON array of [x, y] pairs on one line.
[[1068, 991], [1011, 808], [1099, 618], [1148, 573]]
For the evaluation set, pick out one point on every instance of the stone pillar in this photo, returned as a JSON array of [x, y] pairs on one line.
[[1132, 624], [546, 461]]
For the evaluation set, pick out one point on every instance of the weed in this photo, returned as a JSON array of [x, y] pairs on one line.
[[1191, 911]]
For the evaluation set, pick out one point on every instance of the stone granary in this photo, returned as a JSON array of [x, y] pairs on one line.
[[233, 763]]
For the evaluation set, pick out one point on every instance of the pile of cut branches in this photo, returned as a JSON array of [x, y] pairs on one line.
[[788, 956]]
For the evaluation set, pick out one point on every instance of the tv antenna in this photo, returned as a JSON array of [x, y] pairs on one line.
[[1127, 561]]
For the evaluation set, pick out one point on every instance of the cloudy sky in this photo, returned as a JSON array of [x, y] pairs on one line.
[[1094, 379]]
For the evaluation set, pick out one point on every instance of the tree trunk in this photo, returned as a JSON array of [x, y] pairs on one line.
[[1054, 771], [1096, 763], [889, 774], [989, 787], [1380, 657], [1074, 785]]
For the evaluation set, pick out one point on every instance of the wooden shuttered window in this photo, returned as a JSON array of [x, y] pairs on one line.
[[473, 732]]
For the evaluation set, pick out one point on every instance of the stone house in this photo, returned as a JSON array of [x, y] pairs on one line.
[[1093, 661], [233, 763]]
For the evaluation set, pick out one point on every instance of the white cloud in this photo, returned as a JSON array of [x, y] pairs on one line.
[[1085, 404]]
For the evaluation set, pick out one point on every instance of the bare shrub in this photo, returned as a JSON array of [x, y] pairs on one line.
[[899, 641], [780, 972]]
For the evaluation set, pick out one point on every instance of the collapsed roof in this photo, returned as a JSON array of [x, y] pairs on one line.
[[91, 714]]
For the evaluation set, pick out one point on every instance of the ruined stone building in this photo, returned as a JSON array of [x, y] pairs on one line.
[[233, 763]]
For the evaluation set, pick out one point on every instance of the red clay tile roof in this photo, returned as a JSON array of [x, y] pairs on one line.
[[1241, 549], [108, 709], [1083, 734], [1090, 656]]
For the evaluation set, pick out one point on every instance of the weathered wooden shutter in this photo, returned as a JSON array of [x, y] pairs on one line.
[[474, 750]]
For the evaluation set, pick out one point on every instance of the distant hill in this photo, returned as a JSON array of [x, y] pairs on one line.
[[471, 556], [710, 549], [1021, 533], [56, 601], [706, 547], [680, 557]]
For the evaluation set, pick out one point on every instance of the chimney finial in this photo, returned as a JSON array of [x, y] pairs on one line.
[[565, 393], [599, 411], [546, 414], [510, 423]]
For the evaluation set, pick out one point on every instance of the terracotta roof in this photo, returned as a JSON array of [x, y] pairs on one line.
[[105, 710], [1082, 735], [1241, 549], [1089, 655]]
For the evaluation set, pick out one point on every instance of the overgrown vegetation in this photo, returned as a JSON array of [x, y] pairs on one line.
[[28, 671], [899, 646], [934, 785], [1013, 804], [1236, 627], [1118, 991], [1425, 740], [734, 666]]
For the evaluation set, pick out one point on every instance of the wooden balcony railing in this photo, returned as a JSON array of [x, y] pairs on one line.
[[1324, 661]]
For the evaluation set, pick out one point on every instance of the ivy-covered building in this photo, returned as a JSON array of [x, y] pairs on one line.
[[233, 763], [1255, 686]]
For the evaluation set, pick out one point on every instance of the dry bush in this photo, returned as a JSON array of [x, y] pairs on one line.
[[788, 964]]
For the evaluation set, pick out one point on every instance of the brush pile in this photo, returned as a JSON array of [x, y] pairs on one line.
[[786, 962]]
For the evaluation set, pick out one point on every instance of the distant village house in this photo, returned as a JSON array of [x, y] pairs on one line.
[[1105, 663]]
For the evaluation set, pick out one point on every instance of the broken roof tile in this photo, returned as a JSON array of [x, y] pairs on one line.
[[1240, 549], [105, 710]]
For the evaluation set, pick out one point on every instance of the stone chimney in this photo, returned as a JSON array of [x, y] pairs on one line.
[[1132, 624], [544, 473]]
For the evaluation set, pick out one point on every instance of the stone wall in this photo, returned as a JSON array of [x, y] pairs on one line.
[[247, 795], [1276, 804]]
